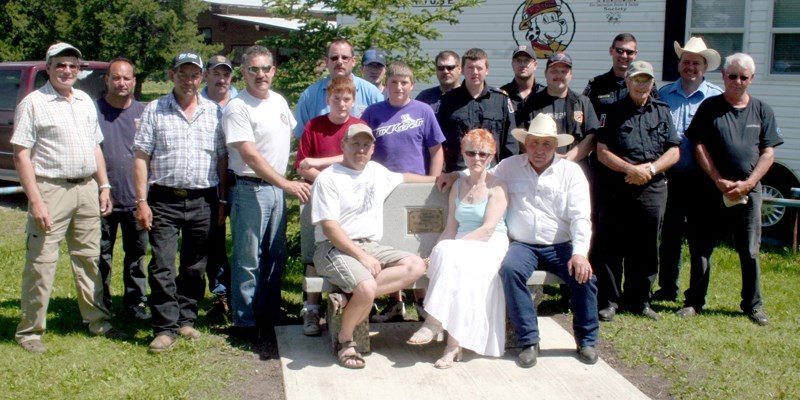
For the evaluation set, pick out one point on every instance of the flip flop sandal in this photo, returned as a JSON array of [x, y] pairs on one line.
[[344, 358]]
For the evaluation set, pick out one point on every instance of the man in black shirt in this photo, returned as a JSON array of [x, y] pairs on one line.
[[524, 85], [448, 72], [475, 105], [734, 135], [638, 143]]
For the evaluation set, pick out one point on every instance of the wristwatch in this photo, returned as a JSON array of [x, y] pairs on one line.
[[652, 169]]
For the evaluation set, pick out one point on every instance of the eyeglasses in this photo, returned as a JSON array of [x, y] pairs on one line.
[[481, 154], [620, 50], [254, 69], [743, 78], [445, 67], [63, 66], [337, 58]]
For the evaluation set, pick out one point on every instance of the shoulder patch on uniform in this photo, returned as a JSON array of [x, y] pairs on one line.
[[499, 90], [577, 115]]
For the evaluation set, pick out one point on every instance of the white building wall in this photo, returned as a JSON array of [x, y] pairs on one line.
[[493, 28]]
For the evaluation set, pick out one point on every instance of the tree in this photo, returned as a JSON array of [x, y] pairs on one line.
[[394, 26], [149, 32]]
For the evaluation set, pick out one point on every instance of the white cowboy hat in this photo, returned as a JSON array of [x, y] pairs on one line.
[[543, 126], [696, 45]]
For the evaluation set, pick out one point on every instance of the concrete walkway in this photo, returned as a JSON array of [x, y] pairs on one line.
[[396, 370]]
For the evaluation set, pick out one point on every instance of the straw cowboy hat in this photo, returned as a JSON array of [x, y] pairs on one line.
[[697, 46], [543, 126]]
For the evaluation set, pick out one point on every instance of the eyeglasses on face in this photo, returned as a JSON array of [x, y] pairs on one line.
[[70, 66], [481, 154], [337, 58], [620, 50], [254, 69], [445, 67], [743, 78]]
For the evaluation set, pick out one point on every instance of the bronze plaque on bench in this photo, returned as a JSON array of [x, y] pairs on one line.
[[425, 220]]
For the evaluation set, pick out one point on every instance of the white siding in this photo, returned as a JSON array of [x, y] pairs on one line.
[[490, 27]]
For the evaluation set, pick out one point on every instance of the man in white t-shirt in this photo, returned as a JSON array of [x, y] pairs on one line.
[[347, 209], [258, 128]]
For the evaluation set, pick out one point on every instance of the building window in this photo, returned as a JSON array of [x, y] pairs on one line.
[[721, 24], [206, 32], [785, 55]]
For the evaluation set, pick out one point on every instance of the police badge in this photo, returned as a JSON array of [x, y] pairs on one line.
[[578, 116]]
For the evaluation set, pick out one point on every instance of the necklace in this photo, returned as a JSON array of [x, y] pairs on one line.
[[473, 191]]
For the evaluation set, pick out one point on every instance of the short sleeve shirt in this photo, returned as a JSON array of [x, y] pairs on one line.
[[403, 135], [352, 198], [322, 138], [266, 122], [734, 137], [119, 128], [183, 153], [62, 134]]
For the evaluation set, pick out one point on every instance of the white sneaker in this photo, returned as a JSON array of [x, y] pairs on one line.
[[311, 323]]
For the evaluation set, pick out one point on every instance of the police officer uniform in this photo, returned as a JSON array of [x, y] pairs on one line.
[[517, 102], [459, 112], [632, 214], [605, 90]]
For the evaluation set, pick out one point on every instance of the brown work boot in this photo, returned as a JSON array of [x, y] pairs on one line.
[[162, 343], [189, 332], [33, 346]]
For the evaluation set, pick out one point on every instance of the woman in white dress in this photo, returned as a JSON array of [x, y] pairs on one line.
[[465, 294]]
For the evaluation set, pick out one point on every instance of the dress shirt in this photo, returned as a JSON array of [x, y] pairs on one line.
[[550, 208]]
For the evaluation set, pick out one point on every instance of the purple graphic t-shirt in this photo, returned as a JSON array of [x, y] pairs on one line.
[[403, 136]]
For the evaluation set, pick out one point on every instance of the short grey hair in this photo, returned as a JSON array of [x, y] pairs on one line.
[[255, 51], [741, 59]]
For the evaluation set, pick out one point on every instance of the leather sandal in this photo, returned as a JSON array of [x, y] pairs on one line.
[[452, 354], [342, 347]]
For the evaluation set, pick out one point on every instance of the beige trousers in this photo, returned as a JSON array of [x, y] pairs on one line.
[[75, 211]]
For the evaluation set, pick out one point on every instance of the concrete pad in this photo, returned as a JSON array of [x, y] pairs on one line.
[[398, 370]]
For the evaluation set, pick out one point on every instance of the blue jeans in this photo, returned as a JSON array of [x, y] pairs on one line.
[[258, 224], [521, 260], [134, 245]]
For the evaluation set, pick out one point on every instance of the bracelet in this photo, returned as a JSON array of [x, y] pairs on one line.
[[140, 201], [223, 202], [105, 186]]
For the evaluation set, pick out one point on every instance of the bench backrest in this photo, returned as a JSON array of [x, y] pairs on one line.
[[413, 217]]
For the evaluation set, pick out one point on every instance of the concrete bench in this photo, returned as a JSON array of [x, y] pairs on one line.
[[414, 216]]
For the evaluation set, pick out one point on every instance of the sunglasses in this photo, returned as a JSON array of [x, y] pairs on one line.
[[445, 67], [337, 58], [743, 78], [620, 50], [63, 66], [254, 69], [481, 154]]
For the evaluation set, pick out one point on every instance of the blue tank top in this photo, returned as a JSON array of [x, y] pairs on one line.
[[470, 216]]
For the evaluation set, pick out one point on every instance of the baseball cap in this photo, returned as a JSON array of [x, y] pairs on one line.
[[374, 56], [218, 60], [524, 49], [59, 48], [356, 129], [559, 58], [640, 67], [187, 57]]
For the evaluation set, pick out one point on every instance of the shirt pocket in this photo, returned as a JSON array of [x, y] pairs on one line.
[[553, 199]]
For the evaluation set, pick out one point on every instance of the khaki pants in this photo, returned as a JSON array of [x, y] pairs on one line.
[[75, 211]]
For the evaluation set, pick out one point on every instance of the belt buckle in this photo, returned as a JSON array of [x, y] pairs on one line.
[[181, 193]]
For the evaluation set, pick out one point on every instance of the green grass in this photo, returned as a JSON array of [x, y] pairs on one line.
[[78, 365], [718, 354]]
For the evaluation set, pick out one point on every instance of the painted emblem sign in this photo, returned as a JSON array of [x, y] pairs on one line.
[[547, 25]]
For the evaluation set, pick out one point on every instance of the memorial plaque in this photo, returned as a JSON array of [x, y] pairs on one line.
[[425, 220]]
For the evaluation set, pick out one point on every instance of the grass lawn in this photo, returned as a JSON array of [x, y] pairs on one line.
[[717, 355]]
